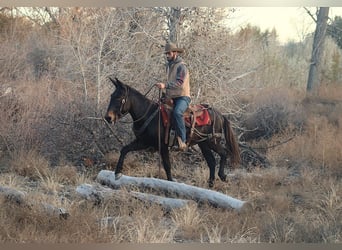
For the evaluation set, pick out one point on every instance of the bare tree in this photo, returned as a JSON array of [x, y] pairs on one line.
[[172, 18], [173, 23], [317, 48]]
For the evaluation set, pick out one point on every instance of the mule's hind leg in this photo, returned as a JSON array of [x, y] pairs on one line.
[[223, 160], [133, 146], [210, 159]]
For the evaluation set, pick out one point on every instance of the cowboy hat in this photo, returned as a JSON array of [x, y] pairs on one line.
[[171, 47]]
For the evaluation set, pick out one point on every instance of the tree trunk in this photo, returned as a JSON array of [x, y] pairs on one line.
[[317, 49], [200, 195], [173, 23]]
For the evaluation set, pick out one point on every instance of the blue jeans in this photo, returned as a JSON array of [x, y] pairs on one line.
[[180, 105]]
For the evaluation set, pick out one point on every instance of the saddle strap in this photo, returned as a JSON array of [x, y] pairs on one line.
[[193, 124], [167, 130]]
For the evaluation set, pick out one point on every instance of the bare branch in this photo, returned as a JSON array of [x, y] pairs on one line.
[[311, 15]]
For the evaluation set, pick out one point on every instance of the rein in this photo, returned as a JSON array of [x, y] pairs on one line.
[[159, 131], [143, 127], [144, 115]]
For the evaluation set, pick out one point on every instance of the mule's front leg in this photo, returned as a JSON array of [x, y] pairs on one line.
[[166, 162], [133, 146]]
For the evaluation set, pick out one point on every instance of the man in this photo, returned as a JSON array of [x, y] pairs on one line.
[[178, 89]]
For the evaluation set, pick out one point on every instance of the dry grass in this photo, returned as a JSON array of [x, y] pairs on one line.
[[295, 200], [30, 164], [188, 221]]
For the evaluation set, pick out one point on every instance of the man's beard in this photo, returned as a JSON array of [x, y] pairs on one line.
[[170, 59]]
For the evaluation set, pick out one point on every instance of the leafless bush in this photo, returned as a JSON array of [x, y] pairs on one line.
[[14, 33], [271, 112], [42, 62], [68, 132], [12, 61], [327, 104], [11, 107], [15, 130]]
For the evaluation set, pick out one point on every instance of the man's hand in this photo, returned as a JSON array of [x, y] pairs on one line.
[[160, 85]]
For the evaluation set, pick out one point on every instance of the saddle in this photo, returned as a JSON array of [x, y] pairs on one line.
[[195, 115]]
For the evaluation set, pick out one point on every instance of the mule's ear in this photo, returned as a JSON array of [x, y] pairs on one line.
[[119, 83], [115, 82]]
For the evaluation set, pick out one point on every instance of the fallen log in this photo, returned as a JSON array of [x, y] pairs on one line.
[[197, 194], [12, 195], [99, 194], [18, 197]]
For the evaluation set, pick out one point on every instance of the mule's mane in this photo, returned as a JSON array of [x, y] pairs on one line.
[[137, 93]]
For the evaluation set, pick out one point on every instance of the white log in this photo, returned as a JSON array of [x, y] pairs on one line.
[[12, 195], [163, 201], [19, 197], [214, 198], [99, 193]]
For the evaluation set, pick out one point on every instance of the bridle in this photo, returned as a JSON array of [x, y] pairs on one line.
[[124, 101]]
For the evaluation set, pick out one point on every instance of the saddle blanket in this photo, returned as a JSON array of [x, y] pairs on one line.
[[199, 111]]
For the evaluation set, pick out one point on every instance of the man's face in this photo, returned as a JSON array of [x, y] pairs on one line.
[[170, 56]]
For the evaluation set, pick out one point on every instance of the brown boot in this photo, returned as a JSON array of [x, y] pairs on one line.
[[181, 145]]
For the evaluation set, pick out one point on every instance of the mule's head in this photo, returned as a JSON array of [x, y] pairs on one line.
[[117, 106]]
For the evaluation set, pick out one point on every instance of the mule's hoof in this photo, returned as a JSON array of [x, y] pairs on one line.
[[172, 179], [223, 177], [118, 176], [210, 183]]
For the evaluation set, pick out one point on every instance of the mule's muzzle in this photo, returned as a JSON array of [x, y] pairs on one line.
[[110, 117]]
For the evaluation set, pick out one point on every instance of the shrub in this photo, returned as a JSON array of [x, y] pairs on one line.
[[270, 112]]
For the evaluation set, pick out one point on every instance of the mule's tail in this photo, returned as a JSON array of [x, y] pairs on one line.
[[232, 144]]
